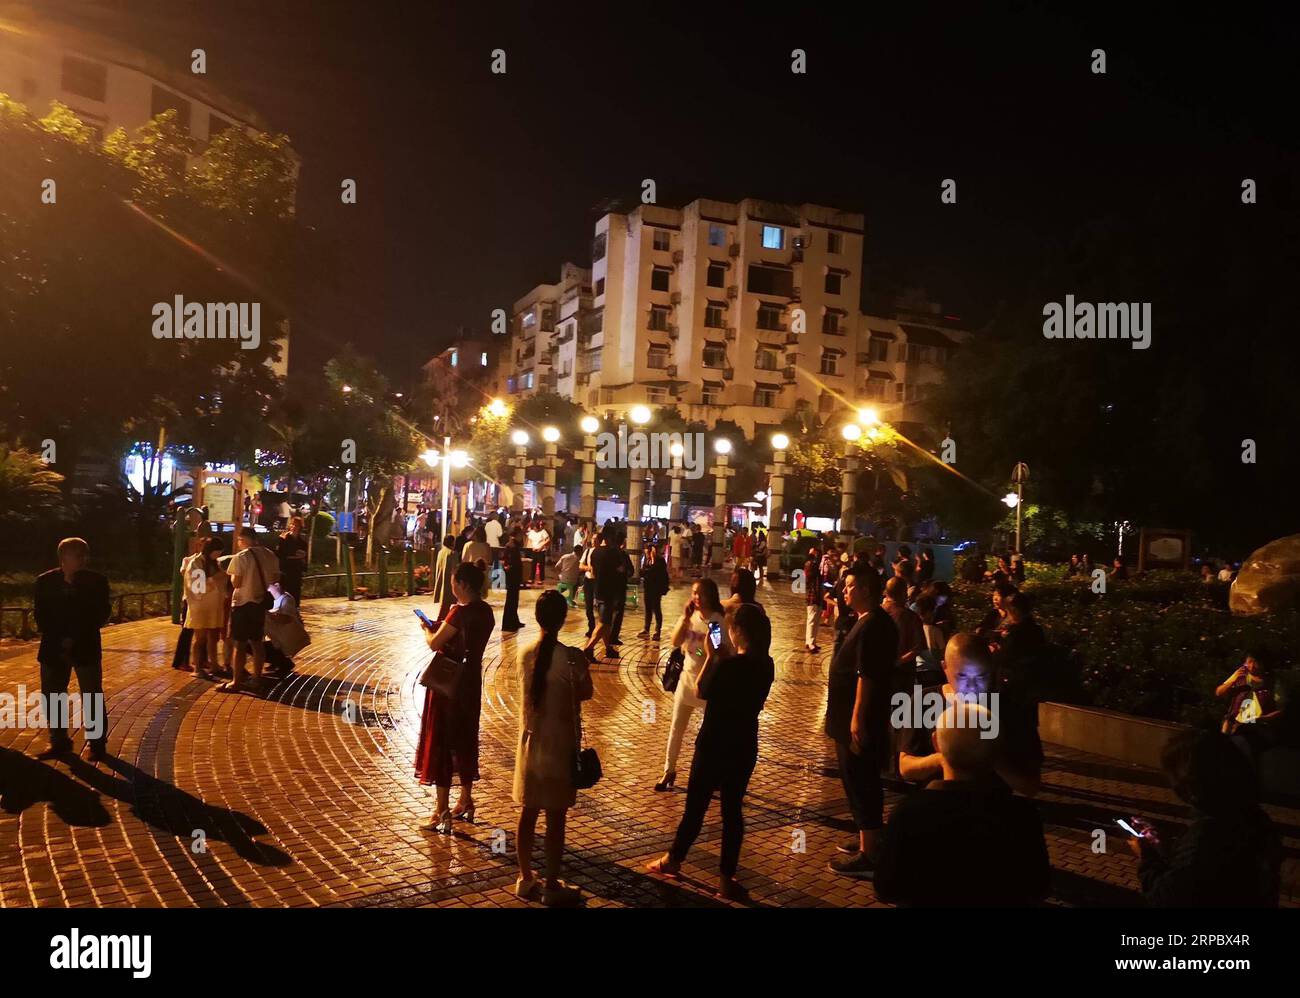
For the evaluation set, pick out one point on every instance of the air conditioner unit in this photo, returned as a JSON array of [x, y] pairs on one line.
[[791, 338], [672, 332], [731, 332], [733, 249], [677, 256], [671, 370], [864, 358], [583, 377], [728, 373], [675, 298], [796, 294], [732, 291], [789, 374]]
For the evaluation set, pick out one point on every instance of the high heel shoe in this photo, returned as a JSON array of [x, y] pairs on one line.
[[667, 782], [440, 823], [464, 812]]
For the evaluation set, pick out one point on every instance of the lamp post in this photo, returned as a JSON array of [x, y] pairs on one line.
[[520, 463], [776, 502], [1019, 475], [851, 433], [587, 502], [675, 473], [640, 415], [549, 463], [721, 473]]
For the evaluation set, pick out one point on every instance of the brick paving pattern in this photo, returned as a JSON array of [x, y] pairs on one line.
[[295, 799]]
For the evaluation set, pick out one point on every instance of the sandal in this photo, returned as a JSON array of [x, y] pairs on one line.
[[229, 687]]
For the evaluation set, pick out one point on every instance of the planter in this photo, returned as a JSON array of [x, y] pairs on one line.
[[1134, 740]]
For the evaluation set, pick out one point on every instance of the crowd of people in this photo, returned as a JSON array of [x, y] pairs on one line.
[[967, 771]]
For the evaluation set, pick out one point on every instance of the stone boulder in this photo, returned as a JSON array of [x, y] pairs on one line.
[[1269, 579]]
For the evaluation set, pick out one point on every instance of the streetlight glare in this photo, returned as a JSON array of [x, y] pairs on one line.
[[868, 417], [550, 434], [722, 445], [459, 458], [780, 441], [346, 389], [851, 431], [519, 438], [430, 457], [590, 424], [639, 414], [1011, 499], [497, 408], [676, 449]]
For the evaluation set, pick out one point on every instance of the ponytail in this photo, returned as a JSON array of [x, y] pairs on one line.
[[551, 610]]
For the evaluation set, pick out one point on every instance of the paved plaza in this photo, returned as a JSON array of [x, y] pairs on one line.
[[298, 799]]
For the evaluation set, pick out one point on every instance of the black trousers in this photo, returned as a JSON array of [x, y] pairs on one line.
[[860, 775], [618, 623], [654, 608], [589, 600], [727, 773], [510, 612], [55, 677]]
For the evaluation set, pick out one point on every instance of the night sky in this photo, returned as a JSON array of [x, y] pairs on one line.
[[475, 187]]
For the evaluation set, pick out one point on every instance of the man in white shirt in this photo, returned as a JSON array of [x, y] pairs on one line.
[[493, 531], [252, 570], [285, 634]]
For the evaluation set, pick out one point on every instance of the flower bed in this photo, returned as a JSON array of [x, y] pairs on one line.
[[1155, 646]]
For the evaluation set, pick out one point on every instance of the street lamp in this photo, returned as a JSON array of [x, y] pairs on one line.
[[851, 433], [497, 408], [676, 451], [776, 504], [640, 415], [722, 447], [1019, 475], [549, 463], [589, 425], [868, 417], [520, 461]]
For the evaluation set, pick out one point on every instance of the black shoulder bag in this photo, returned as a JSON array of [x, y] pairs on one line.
[[586, 763]]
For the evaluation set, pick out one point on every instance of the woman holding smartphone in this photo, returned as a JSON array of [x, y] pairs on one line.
[[448, 745], [704, 613]]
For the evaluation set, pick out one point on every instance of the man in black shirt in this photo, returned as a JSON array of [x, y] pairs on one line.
[[611, 568], [857, 714], [293, 559], [71, 605], [965, 840], [734, 690]]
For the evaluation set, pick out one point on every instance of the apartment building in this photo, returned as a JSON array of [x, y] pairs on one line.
[[541, 321], [463, 379], [747, 312]]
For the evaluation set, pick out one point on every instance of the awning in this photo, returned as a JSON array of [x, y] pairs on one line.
[[926, 337]]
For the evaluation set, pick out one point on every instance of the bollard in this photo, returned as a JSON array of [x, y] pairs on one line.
[[348, 569], [383, 571], [408, 559]]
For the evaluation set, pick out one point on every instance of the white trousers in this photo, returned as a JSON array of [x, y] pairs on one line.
[[810, 627]]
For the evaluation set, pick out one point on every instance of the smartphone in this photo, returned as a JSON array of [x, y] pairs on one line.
[[715, 634], [1129, 828], [423, 619]]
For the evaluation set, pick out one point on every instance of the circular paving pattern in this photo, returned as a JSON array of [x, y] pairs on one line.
[[305, 796]]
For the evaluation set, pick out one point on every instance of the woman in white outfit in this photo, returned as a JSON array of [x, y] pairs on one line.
[[691, 635]]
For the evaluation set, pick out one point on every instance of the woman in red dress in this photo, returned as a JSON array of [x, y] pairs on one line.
[[448, 745]]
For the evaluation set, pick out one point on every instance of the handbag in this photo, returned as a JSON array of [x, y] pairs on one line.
[[442, 674], [673, 670], [587, 770], [268, 600]]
